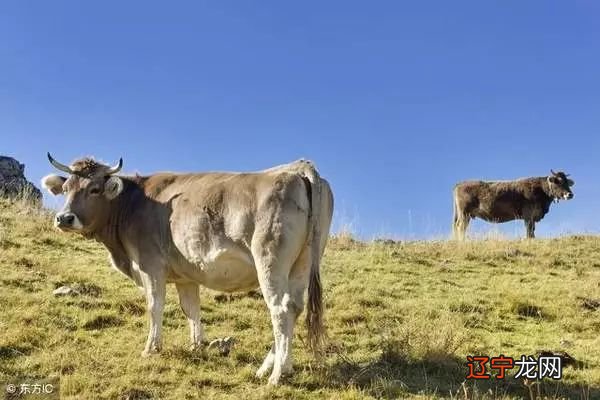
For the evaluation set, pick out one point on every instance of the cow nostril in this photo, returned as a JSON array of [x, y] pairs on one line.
[[65, 219]]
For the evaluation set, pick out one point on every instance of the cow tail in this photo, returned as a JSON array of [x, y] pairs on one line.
[[455, 213], [314, 313]]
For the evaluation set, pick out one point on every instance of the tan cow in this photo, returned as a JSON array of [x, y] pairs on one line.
[[225, 231]]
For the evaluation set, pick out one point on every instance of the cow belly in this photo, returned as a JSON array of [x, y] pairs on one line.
[[228, 269], [498, 218], [498, 212], [229, 273]]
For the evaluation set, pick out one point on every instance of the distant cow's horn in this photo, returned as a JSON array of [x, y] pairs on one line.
[[59, 166], [553, 173], [116, 168]]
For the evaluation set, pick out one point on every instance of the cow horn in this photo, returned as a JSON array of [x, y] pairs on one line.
[[116, 168], [59, 166], [553, 173]]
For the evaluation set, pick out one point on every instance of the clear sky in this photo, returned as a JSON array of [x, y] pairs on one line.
[[394, 100]]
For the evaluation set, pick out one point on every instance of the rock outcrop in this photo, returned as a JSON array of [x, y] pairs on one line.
[[13, 183]]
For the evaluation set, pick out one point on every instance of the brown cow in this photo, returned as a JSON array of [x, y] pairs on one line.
[[528, 199], [225, 231]]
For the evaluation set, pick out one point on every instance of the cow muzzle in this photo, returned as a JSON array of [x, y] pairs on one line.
[[568, 196], [67, 221]]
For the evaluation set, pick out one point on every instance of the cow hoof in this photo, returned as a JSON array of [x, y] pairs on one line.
[[262, 372], [196, 347], [274, 380], [150, 352]]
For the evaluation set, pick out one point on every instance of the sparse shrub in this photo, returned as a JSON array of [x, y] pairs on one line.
[[528, 310], [423, 337], [103, 322], [136, 394], [344, 240], [131, 307]]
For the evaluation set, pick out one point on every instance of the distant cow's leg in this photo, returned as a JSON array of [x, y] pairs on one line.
[[530, 225], [461, 223], [155, 287], [189, 300]]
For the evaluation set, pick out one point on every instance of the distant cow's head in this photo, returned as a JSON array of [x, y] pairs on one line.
[[89, 189], [560, 185]]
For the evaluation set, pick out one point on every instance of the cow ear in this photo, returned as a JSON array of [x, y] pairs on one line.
[[53, 183], [113, 187], [571, 182], [552, 179]]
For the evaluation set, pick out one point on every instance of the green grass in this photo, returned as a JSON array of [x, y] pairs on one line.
[[401, 319]]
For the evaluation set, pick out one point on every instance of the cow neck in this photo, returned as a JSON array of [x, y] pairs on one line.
[[546, 190], [121, 207], [545, 187]]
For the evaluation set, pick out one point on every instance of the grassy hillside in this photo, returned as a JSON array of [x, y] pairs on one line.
[[401, 318]]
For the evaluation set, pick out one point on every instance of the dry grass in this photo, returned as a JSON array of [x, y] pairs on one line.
[[401, 319]]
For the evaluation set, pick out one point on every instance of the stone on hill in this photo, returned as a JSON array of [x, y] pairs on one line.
[[13, 184], [65, 291], [223, 346]]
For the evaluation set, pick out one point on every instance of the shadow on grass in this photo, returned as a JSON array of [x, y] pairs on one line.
[[394, 376], [8, 352]]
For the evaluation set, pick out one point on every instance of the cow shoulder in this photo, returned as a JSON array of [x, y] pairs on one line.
[[122, 263]]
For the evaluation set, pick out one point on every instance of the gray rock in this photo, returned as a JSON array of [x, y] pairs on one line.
[[223, 346], [13, 184], [65, 291]]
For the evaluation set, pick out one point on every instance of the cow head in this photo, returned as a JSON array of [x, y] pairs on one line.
[[89, 189], [560, 186]]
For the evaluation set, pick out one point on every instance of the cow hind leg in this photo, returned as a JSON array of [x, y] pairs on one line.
[[274, 260], [298, 282], [280, 306], [189, 299], [275, 288], [461, 223]]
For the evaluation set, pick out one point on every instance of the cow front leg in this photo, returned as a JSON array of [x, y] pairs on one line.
[[268, 363], [155, 287], [189, 299], [530, 226]]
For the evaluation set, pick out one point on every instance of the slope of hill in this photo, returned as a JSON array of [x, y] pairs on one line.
[[402, 317]]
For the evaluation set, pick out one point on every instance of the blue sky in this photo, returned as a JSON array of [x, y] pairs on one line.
[[394, 101]]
